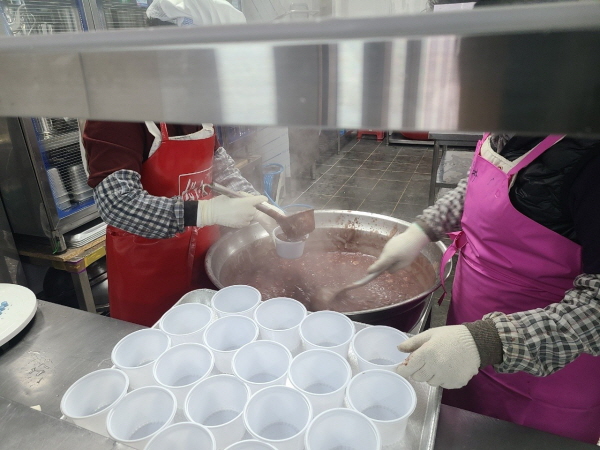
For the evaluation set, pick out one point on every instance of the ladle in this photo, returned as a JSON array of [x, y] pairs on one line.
[[295, 226], [327, 295]]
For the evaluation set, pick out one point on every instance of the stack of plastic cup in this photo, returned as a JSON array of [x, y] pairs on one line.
[[376, 347], [136, 354], [141, 415], [322, 376], [261, 363], [217, 403], [386, 398], [186, 323], [279, 320], [278, 415], [236, 299], [226, 335], [342, 428], [181, 367], [183, 436], [327, 329], [89, 400]]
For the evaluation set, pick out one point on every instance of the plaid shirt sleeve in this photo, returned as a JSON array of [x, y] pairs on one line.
[[123, 203], [541, 341], [445, 214], [226, 174]]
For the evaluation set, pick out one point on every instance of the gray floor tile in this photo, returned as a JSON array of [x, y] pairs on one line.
[[420, 177], [316, 201], [408, 159], [349, 171], [369, 173], [353, 192], [336, 180], [402, 167], [378, 156], [375, 165], [353, 163], [366, 183], [416, 193], [343, 203], [407, 212], [391, 185], [397, 176], [322, 189], [384, 195], [384, 208], [423, 168]]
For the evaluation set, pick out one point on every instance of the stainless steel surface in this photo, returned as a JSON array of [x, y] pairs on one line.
[[235, 247], [496, 69], [422, 424], [58, 347], [26, 429], [62, 344], [11, 270]]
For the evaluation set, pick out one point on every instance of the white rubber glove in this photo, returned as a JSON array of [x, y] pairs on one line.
[[400, 251], [445, 356], [229, 212], [265, 221]]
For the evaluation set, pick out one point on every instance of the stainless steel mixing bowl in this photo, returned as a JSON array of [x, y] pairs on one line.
[[338, 230]]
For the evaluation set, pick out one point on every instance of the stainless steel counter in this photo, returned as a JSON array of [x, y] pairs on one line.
[[62, 344]]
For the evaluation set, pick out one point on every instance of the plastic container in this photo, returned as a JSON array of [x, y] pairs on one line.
[[342, 428], [89, 400], [288, 249], [141, 415], [322, 376], [279, 320], [262, 363], [226, 335], [136, 354], [386, 398], [376, 347], [278, 415], [186, 323], [181, 367], [217, 403], [183, 436], [330, 330], [236, 299]]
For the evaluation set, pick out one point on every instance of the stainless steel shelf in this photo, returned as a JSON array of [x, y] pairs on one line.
[[526, 69]]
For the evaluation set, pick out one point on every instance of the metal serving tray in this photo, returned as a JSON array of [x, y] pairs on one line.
[[422, 424]]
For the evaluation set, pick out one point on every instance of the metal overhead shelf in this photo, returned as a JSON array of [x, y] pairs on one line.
[[526, 69]]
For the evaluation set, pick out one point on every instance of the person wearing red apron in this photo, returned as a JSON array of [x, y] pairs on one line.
[[520, 270], [149, 268]]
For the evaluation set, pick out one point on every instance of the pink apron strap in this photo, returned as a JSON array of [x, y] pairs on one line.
[[459, 239], [548, 142]]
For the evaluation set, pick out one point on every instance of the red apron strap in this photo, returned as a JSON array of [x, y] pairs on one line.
[[163, 131]]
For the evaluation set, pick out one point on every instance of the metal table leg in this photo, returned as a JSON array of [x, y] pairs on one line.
[[434, 169], [83, 291]]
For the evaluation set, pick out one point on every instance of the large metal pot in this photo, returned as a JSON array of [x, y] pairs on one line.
[[340, 230]]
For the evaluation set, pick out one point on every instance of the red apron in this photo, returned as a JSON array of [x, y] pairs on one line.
[[510, 263], [147, 276]]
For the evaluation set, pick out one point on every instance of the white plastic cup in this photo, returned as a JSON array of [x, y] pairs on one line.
[[182, 436], [88, 401], [237, 299], [279, 320], [217, 403], [181, 367], [186, 323], [136, 354], [261, 363], [386, 398], [278, 415], [141, 415], [322, 376], [226, 335], [251, 444], [288, 249], [342, 428], [376, 347], [327, 329]]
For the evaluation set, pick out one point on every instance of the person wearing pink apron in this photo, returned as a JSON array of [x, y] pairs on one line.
[[508, 263]]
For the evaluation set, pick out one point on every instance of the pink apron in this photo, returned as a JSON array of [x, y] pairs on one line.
[[510, 263]]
